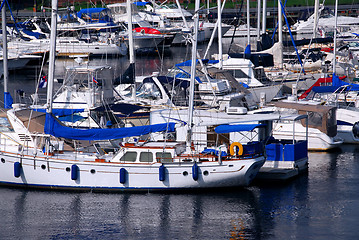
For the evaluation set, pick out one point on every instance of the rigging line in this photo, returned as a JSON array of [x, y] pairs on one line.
[[169, 114], [235, 28], [310, 43], [276, 27]]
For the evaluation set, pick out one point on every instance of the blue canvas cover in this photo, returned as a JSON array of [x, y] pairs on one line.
[[55, 128], [336, 83], [141, 3], [61, 111], [236, 128], [8, 101]]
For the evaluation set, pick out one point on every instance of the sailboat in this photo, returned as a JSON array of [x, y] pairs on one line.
[[37, 151]]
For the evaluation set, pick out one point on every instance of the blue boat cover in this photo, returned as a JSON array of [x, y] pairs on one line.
[[124, 108], [89, 11], [141, 3], [336, 83], [8, 101], [60, 111], [248, 49], [55, 128], [213, 151], [324, 89], [188, 63], [236, 128]]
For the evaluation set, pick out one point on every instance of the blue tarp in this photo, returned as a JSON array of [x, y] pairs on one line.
[[60, 111], [336, 83], [124, 108], [324, 89], [236, 128], [8, 101], [141, 3], [89, 11], [55, 128], [214, 152], [188, 63]]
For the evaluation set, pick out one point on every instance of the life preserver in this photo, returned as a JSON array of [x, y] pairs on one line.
[[232, 149]]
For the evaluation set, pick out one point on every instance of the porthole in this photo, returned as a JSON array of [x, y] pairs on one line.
[[185, 173], [205, 173], [68, 169], [93, 171], [43, 166], [2, 160]]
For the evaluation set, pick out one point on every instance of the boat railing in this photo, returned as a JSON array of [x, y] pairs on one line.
[[286, 150]]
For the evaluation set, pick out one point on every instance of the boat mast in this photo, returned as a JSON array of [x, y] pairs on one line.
[[258, 20], [335, 38], [316, 11], [192, 83], [7, 104], [219, 22], [264, 18], [50, 84], [130, 44], [280, 34], [248, 25]]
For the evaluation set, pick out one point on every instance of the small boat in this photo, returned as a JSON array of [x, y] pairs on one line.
[[322, 126], [70, 46]]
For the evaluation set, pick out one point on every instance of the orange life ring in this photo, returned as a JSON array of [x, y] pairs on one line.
[[232, 149]]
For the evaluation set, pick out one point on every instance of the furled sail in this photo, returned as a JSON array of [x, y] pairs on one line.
[[55, 128]]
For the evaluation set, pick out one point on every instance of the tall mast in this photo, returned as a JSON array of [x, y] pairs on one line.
[[264, 18], [7, 102], [50, 84], [131, 50], [219, 22], [193, 75], [335, 38], [248, 24], [258, 20], [316, 11], [280, 34]]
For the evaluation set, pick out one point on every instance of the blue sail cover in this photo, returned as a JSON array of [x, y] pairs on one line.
[[55, 128], [8, 101], [141, 3], [61, 111], [236, 128]]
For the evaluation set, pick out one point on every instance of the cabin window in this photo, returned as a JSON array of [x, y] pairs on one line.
[[149, 90], [146, 157], [164, 157], [5, 126], [239, 74], [315, 119], [129, 157]]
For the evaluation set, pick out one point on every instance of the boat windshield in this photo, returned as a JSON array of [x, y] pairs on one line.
[[149, 90]]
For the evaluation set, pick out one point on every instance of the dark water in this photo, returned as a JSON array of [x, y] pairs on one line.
[[320, 205], [323, 204]]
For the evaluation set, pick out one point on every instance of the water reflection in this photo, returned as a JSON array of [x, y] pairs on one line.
[[149, 216]]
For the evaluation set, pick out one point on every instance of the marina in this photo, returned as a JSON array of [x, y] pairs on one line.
[[208, 126]]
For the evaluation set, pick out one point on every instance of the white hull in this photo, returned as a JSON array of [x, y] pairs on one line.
[[70, 46], [55, 173], [346, 119], [317, 141]]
